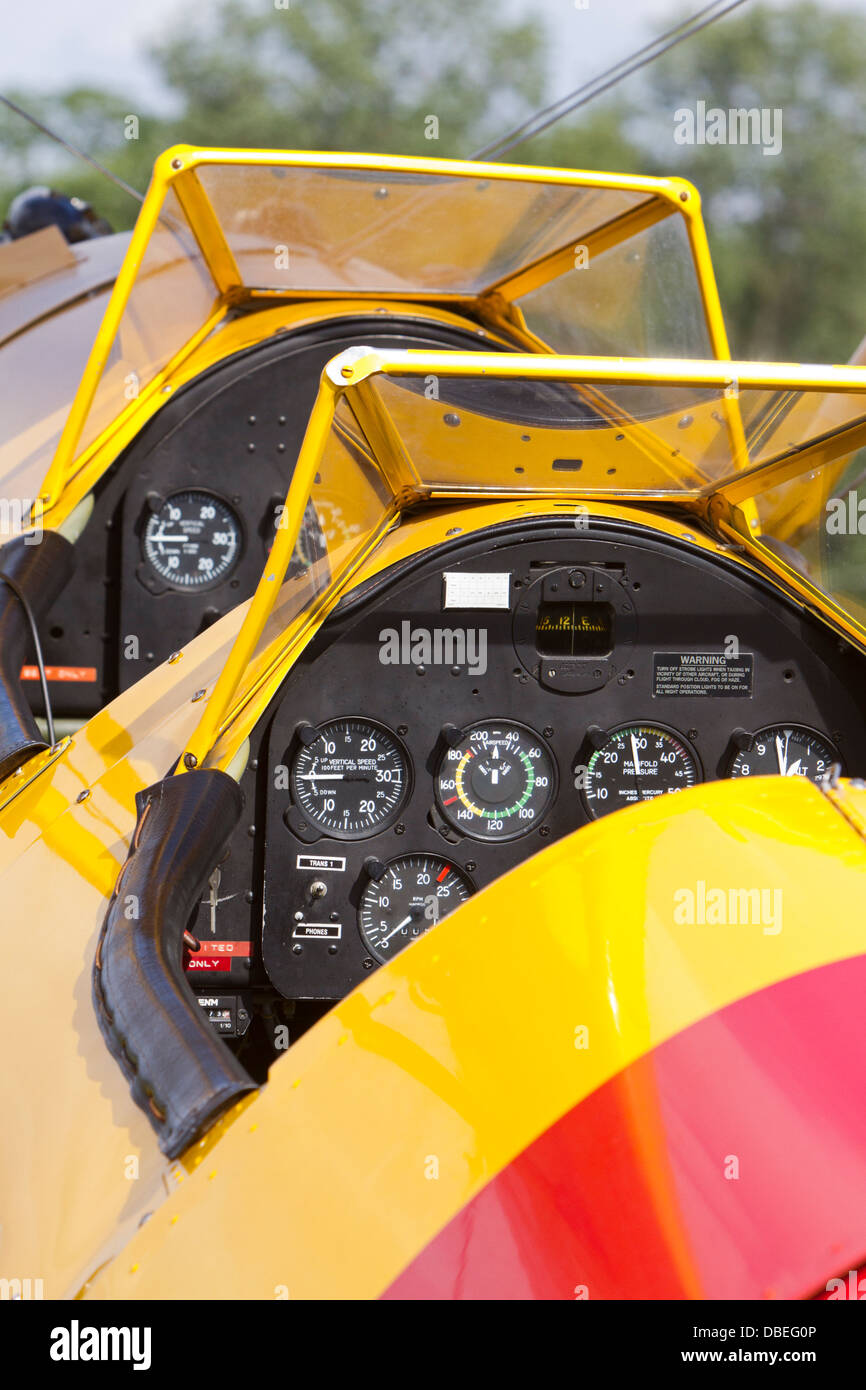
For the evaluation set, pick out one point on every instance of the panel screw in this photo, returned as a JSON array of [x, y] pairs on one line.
[[548, 731], [190, 760], [82, 796], [368, 964], [175, 656], [199, 695]]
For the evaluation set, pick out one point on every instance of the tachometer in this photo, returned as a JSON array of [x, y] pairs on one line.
[[192, 540], [636, 762], [496, 780], [406, 897], [786, 750], [350, 777]]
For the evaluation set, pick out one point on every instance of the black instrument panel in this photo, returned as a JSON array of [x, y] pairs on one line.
[[183, 520], [459, 714]]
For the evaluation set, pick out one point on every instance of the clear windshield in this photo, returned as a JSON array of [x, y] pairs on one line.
[[394, 432], [564, 263]]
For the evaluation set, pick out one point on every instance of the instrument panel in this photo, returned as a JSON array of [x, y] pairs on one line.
[[457, 715], [183, 520]]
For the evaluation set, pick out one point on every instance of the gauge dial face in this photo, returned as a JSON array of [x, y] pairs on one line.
[[785, 750], [637, 762], [193, 541], [351, 779], [415, 892], [497, 782]]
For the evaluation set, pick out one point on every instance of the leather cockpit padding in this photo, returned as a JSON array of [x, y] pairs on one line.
[[41, 569], [181, 1073]]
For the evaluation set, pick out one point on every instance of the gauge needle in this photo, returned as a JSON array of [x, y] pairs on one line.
[[399, 927], [322, 777], [168, 539], [782, 755], [635, 756]]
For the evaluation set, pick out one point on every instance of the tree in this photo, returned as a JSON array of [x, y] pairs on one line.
[[788, 231], [436, 77], [353, 74]]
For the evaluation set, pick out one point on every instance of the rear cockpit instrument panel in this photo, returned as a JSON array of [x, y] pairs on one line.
[[455, 716]]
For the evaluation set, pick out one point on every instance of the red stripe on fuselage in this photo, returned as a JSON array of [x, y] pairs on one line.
[[730, 1162]]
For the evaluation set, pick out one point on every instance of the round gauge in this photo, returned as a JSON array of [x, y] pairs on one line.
[[637, 762], [408, 897], [350, 777], [193, 540], [496, 780], [783, 750]]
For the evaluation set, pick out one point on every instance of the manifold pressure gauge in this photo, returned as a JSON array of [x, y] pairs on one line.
[[406, 897], [192, 540], [350, 777], [636, 762], [495, 780]]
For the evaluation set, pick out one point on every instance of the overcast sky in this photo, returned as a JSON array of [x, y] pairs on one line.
[[56, 43]]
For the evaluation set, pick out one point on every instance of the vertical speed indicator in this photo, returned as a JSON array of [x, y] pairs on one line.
[[192, 541], [350, 777]]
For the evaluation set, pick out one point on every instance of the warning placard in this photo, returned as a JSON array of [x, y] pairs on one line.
[[702, 673]]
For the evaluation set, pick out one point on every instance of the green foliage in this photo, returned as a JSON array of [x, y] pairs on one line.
[[787, 233]]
